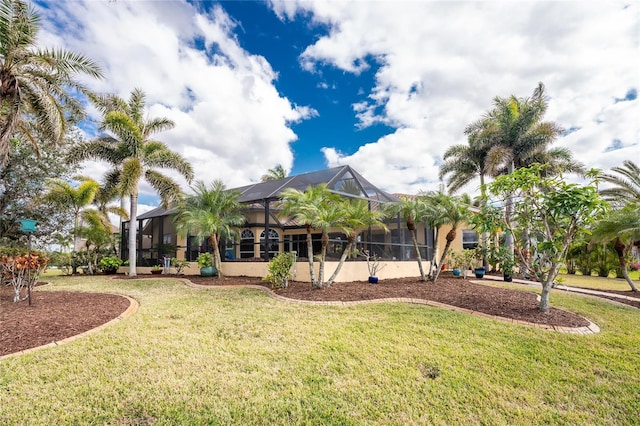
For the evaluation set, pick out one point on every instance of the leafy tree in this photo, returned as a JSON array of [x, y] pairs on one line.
[[22, 177], [625, 181], [212, 212], [415, 210], [38, 88], [548, 212], [133, 155], [315, 208], [355, 216], [623, 228], [278, 172]]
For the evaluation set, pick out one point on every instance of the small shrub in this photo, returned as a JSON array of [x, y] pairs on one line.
[[280, 270], [179, 265], [110, 263], [204, 260]]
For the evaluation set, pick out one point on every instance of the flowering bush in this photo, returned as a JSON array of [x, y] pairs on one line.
[[634, 266], [22, 271]]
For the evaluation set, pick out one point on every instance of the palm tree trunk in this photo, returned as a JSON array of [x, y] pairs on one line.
[[442, 258], [434, 258], [508, 212], [345, 253], [74, 254], [323, 255], [133, 234], [217, 262], [417, 250], [312, 272]]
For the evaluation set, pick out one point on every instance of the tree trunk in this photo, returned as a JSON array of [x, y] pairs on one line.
[[345, 253], [547, 285], [312, 272], [444, 254], [74, 255], [508, 212], [323, 254], [415, 247], [133, 234], [217, 262], [620, 247]]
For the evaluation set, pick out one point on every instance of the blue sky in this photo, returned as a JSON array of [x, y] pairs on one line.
[[383, 86]]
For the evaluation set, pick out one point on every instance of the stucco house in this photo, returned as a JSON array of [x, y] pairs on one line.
[[266, 232]]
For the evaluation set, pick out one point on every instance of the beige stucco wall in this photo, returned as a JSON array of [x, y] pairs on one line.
[[351, 271]]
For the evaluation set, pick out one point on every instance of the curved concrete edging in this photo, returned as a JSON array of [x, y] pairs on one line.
[[133, 307], [592, 328]]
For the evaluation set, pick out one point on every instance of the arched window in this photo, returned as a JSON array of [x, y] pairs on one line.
[[274, 243], [246, 244]]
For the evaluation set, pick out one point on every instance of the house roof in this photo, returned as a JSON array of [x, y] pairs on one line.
[[342, 180]]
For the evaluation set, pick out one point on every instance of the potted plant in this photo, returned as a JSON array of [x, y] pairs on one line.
[[156, 269], [476, 262], [205, 263], [507, 264], [110, 264], [454, 261], [373, 265]]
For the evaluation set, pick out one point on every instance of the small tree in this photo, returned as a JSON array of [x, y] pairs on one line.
[[548, 212]]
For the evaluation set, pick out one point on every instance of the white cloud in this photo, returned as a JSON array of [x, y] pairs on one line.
[[231, 122], [442, 63]]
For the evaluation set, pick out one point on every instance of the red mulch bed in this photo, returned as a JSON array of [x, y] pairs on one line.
[[52, 316], [57, 315]]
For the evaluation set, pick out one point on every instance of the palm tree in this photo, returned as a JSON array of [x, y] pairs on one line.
[[74, 199], [313, 209], [517, 135], [463, 163], [623, 227], [37, 87], [356, 215], [414, 209], [278, 172], [212, 212], [625, 183], [133, 155], [446, 210]]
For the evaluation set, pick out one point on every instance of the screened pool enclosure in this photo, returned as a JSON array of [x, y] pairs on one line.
[[267, 232]]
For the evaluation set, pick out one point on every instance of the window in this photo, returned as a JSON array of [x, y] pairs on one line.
[[469, 239], [274, 243], [246, 244]]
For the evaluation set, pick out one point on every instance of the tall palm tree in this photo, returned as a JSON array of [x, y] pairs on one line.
[[517, 134], [212, 212], [414, 210], [356, 216], [37, 87], [625, 181], [623, 227], [311, 208], [133, 155], [278, 172], [72, 198]]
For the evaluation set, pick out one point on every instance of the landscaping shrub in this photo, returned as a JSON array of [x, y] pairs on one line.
[[280, 269]]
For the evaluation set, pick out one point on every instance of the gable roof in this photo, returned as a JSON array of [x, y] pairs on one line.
[[341, 180]]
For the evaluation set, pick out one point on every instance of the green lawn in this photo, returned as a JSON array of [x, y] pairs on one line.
[[599, 283], [214, 356]]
